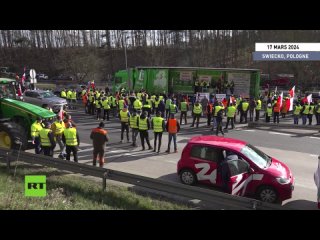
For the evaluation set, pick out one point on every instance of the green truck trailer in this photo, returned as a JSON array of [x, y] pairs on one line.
[[188, 80]]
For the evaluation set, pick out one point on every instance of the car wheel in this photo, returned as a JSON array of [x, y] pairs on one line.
[[188, 177], [267, 194]]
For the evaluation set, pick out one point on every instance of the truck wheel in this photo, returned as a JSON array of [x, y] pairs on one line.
[[11, 135]]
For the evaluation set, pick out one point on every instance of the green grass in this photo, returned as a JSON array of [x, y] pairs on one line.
[[70, 192]]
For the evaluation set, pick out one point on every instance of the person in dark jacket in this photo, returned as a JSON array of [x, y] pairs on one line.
[[99, 137], [162, 108]]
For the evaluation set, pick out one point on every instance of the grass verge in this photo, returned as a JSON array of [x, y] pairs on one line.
[[70, 192]]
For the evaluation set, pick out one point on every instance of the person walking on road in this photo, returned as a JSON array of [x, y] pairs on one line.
[[231, 111], [47, 140], [71, 139], [35, 129], [57, 128], [268, 112], [134, 127], [158, 126], [99, 138], [197, 110], [144, 125], [220, 112], [296, 113], [124, 118], [184, 109], [173, 127]]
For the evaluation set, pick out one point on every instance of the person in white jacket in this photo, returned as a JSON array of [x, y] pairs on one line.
[[317, 181]]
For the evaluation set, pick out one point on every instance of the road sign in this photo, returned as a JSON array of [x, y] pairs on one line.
[[32, 74], [33, 80]]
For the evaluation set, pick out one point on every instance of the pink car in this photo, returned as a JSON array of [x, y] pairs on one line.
[[235, 166]]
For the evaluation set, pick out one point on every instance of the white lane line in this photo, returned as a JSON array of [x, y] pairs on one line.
[[315, 137], [313, 155], [278, 133], [249, 130], [170, 161]]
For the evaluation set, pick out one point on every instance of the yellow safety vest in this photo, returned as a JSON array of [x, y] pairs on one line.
[[269, 111], [124, 116], [311, 109], [168, 103], [306, 109], [184, 107], [143, 125], [297, 110], [216, 110], [258, 105], [69, 94], [318, 110], [121, 103], [156, 103], [231, 111], [35, 129], [197, 109], [44, 139], [137, 104], [133, 122], [63, 94], [173, 108], [74, 95], [105, 104], [71, 136], [245, 106], [157, 124], [59, 127], [98, 104]]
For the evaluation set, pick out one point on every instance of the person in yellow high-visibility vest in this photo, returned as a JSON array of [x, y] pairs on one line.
[[144, 125], [57, 128], [158, 126], [124, 118], [71, 139], [197, 110], [231, 111], [35, 129], [47, 140]]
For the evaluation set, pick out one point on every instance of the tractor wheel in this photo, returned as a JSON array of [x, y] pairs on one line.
[[12, 135]]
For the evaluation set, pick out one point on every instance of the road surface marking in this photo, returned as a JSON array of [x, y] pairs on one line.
[[313, 155], [170, 161], [278, 133], [315, 137], [82, 144]]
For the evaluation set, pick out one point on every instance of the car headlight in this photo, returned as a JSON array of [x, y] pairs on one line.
[[283, 180]]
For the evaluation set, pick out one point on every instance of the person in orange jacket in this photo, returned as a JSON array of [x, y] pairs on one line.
[[173, 127]]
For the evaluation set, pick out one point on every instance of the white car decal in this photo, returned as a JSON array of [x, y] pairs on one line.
[[202, 174]]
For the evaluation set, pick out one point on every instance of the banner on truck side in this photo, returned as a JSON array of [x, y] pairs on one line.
[[241, 83]]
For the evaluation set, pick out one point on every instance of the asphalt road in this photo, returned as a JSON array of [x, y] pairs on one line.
[[298, 148]]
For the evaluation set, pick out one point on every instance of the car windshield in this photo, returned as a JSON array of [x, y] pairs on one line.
[[47, 94], [255, 155]]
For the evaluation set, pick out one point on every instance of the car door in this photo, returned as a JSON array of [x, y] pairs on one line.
[[240, 176], [205, 161]]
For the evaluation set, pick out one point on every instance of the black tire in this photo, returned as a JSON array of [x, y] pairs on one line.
[[188, 177], [11, 135], [267, 194]]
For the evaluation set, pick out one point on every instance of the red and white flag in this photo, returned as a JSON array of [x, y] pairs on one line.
[[280, 99], [292, 93], [61, 112], [309, 98]]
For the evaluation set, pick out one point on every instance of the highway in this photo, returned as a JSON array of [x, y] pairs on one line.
[[298, 148]]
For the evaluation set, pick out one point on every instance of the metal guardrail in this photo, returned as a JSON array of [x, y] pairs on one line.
[[211, 199]]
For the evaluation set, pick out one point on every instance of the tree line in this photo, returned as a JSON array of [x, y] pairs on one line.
[[102, 51]]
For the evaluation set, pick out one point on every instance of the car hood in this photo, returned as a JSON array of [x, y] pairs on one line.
[[28, 107], [279, 169], [56, 100]]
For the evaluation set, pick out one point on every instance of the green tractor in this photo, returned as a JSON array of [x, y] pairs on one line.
[[16, 117]]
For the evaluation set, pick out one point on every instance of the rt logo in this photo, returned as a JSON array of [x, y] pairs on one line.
[[35, 186]]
